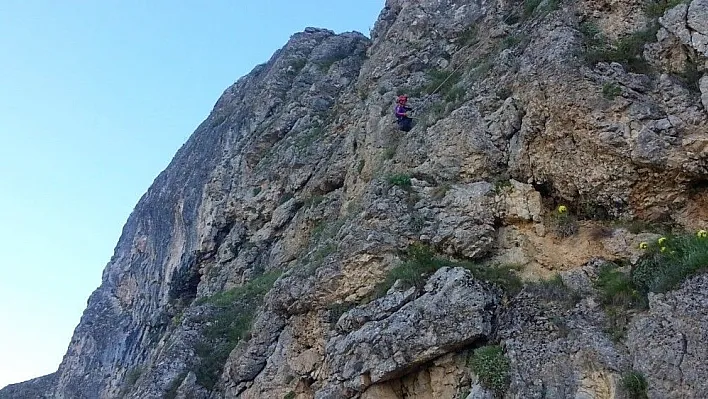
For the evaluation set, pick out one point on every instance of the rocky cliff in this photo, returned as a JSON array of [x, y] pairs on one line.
[[510, 245]]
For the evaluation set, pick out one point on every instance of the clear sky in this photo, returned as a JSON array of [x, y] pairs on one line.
[[95, 99]]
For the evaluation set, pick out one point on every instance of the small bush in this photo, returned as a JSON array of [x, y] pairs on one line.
[[469, 36], [683, 257], [492, 368], [554, 289], [400, 180], [563, 224], [298, 65], [389, 153], [617, 289], [228, 324], [455, 94], [657, 8], [691, 75], [289, 395], [627, 51], [530, 6], [421, 261], [503, 276], [442, 81], [504, 93], [314, 200], [592, 33], [610, 90], [336, 310], [502, 185], [553, 5], [513, 40], [618, 296], [635, 385]]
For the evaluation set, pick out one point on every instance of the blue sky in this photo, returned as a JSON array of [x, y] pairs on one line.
[[95, 99]]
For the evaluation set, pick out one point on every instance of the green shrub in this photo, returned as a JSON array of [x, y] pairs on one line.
[[683, 257], [298, 65], [610, 90], [657, 8], [513, 40], [616, 288], [400, 180], [592, 33], [228, 324], [289, 395], [553, 5], [627, 51], [327, 63], [389, 153], [336, 310], [469, 36], [305, 139], [492, 368], [691, 75], [635, 385], [563, 224], [504, 93], [503, 276], [530, 6], [174, 386], [618, 296], [442, 81], [421, 261], [455, 94], [554, 289], [502, 185], [314, 200]]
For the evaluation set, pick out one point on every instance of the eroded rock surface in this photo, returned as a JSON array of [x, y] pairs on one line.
[[299, 170]]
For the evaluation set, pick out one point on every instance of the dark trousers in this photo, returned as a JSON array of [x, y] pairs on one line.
[[405, 123]]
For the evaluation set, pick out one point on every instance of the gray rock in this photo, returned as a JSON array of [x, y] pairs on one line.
[[667, 345], [36, 388], [704, 92], [674, 20], [454, 311], [696, 16], [290, 171]]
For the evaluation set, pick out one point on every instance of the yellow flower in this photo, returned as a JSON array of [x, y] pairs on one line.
[[562, 209], [702, 234], [643, 245], [663, 249], [662, 240]]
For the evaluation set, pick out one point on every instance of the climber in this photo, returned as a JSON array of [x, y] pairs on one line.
[[405, 123]]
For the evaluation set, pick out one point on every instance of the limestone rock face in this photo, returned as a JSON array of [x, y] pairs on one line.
[[667, 344], [249, 269], [453, 312]]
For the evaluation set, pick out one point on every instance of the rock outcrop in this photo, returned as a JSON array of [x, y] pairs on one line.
[[252, 265]]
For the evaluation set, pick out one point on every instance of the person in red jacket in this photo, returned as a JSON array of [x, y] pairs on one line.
[[405, 123]]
